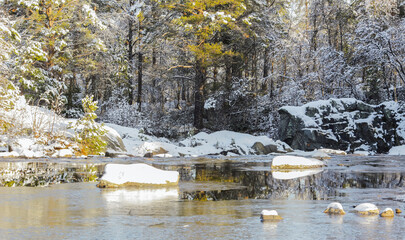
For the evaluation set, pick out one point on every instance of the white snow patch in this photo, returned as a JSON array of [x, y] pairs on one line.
[[362, 153], [398, 150], [138, 173], [269, 213], [335, 205], [365, 207], [332, 151], [313, 154]]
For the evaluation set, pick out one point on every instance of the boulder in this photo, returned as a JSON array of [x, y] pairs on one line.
[[140, 174], [114, 140], [387, 213], [366, 209], [344, 124], [270, 215], [335, 208]]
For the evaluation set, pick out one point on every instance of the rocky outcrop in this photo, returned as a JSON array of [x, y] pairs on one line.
[[345, 124]]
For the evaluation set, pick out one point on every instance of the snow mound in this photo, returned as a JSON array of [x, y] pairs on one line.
[[398, 150], [292, 162], [335, 208], [269, 212], [311, 154], [292, 174], [332, 151], [270, 215], [136, 174], [366, 209]]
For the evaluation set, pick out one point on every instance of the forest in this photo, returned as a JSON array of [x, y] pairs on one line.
[[175, 67]]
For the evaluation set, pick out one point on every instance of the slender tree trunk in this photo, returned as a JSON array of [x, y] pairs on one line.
[[199, 95], [139, 98], [130, 58]]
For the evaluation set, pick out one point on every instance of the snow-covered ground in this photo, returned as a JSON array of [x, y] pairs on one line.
[[39, 132], [225, 142]]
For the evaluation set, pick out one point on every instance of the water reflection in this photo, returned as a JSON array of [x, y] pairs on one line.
[[140, 195], [292, 174]]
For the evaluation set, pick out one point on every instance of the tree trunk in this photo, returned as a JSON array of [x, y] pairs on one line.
[[139, 98], [130, 59], [199, 95]]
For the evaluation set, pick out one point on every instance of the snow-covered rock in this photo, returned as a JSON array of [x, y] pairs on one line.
[[332, 151], [335, 208], [347, 124], [293, 162], [366, 209], [140, 174], [362, 153], [388, 212], [223, 142], [292, 174], [398, 150], [311, 154], [114, 140], [270, 215]]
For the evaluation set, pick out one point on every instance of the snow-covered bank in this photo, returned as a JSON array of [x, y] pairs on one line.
[[222, 142], [34, 132]]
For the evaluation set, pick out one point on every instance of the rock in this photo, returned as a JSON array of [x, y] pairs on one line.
[[121, 175], [398, 211], [114, 140], [332, 151], [148, 155], [3, 148], [387, 213], [345, 124], [63, 153], [367, 209], [113, 154], [270, 215], [335, 208], [293, 162]]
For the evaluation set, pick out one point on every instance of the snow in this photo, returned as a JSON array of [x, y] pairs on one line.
[[362, 153], [138, 143], [292, 174], [295, 162], [332, 151], [138, 173], [398, 150], [365, 207], [318, 154], [269, 213], [335, 205]]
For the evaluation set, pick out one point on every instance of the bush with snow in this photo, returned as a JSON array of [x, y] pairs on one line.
[[88, 133]]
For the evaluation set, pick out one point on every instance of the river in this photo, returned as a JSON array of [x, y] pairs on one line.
[[217, 198]]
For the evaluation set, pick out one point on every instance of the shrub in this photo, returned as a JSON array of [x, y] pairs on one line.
[[88, 133]]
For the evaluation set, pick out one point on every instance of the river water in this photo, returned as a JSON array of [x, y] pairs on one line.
[[216, 198]]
